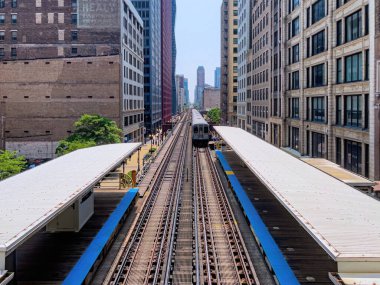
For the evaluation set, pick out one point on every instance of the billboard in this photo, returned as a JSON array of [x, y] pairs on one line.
[[93, 14]]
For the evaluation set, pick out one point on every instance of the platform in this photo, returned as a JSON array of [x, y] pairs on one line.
[[30, 200], [343, 221]]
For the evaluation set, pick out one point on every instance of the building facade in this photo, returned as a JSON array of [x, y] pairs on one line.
[[46, 45], [211, 98], [180, 88], [217, 74], [174, 57], [229, 61], [201, 81], [187, 94], [150, 12]]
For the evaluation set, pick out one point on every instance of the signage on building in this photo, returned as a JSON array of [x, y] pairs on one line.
[[101, 14]]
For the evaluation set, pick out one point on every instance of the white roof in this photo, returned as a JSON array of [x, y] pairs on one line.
[[197, 118], [344, 221], [33, 198]]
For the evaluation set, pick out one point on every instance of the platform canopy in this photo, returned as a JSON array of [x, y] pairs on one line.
[[344, 221], [30, 200]]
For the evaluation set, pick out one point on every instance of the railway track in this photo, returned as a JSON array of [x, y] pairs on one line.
[[185, 232], [223, 256], [145, 258]]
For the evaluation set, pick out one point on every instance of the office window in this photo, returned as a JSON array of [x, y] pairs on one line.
[[318, 109], [338, 151], [295, 4], [296, 53], [14, 19], [2, 53], [295, 138], [2, 36], [74, 51], [74, 19], [13, 52], [353, 156], [339, 71], [74, 35], [318, 145], [318, 43], [308, 17], [14, 36], [295, 80], [366, 20], [318, 75], [14, 3], [353, 111], [295, 27], [353, 26], [338, 106], [2, 3], [366, 69], [295, 108], [318, 11], [339, 35], [353, 67], [2, 19], [74, 3]]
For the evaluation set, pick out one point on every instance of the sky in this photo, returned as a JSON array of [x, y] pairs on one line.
[[198, 39]]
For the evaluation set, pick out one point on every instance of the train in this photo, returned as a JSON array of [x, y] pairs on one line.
[[200, 130]]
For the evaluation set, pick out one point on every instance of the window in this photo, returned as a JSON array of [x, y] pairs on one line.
[[318, 43], [366, 69], [74, 35], [366, 111], [74, 50], [2, 36], [2, 3], [2, 53], [295, 138], [353, 68], [295, 26], [338, 105], [308, 17], [318, 145], [14, 36], [296, 53], [339, 72], [2, 19], [366, 20], [318, 75], [353, 26], [74, 4], [295, 4], [353, 111], [295, 80], [13, 52], [318, 109], [74, 19], [339, 35], [338, 151], [14, 19], [14, 4], [295, 108], [318, 11], [353, 156]]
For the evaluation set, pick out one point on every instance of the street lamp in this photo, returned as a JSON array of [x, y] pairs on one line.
[[151, 143]]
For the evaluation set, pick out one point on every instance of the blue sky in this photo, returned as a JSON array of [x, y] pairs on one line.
[[198, 39]]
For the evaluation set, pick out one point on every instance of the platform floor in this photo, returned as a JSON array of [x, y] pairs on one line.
[[306, 258], [47, 258]]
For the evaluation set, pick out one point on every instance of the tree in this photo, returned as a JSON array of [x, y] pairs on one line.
[[66, 146], [215, 115], [90, 130], [11, 164]]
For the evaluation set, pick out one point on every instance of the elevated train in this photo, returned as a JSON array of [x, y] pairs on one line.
[[200, 130]]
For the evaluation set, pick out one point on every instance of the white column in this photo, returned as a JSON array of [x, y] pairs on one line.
[[2, 260]]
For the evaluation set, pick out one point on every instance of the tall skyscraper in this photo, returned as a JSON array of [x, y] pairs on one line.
[[229, 65], [217, 77], [187, 94], [200, 86], [167, 58], [174, 57], [180, 88], [45, 45], [150, 12]]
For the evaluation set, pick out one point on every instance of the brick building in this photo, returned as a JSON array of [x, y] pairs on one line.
[[211, 98]]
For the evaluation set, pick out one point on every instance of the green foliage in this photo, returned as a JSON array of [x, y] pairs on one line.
[[215, 115], [10, 164], [66, 146], [152, 150], [90, 130]]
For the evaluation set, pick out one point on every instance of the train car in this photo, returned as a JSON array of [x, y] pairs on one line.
[[200, 130]]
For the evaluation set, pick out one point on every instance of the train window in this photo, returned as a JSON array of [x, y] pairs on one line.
[[205, 129], [195, 130]]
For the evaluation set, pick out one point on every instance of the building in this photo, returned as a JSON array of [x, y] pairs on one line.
[[229, 61], [44, 47], [201, 81], [187, 94], [174, 57], [150, 12], [211, 98], [167, 57], [180, 88], [217, 74], [244, 43]]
